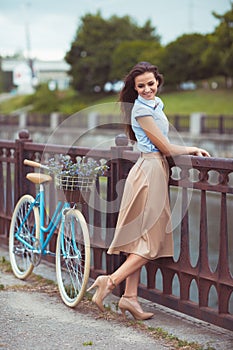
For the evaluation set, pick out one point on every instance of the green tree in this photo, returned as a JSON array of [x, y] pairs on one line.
[[181, 60], [154, 54], [128, 53], [211, 59], [224, 31], [90, 55], [1, 76], [224, 43]]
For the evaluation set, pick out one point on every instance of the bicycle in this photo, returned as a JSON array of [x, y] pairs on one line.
[[27, 242]]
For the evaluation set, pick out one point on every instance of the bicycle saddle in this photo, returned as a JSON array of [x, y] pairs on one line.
[[38, 178]]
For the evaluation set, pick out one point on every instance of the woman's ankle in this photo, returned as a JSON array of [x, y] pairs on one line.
[[130, 296], [112, 283]]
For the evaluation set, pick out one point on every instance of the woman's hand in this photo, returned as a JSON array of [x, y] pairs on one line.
[[200, 152]]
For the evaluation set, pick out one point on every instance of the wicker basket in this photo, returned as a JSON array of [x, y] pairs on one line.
[[74, 189]]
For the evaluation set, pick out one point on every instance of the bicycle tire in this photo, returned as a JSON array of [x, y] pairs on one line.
[[29, 229], [73, 257]]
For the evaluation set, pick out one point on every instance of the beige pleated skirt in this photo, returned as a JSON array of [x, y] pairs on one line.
[[144, 221]]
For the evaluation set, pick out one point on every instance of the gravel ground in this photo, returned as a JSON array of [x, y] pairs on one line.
[[32, 316]]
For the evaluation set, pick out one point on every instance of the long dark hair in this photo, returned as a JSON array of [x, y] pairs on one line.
[[128, 93]]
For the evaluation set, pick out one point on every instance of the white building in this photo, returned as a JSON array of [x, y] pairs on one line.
[[20, 75]]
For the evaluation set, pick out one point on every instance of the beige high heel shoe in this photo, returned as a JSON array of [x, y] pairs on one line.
[[103, 289], [126, 305]]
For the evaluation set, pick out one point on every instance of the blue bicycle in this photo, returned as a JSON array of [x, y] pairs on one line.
[[27, 242]]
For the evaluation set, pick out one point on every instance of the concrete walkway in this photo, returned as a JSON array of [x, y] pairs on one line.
[[34, 320]]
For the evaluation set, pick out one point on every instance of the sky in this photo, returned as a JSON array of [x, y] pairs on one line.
[[45, 29]]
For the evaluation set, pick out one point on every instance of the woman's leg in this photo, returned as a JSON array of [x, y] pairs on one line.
[[131, 284], [106, 284], [131, 267], [131, 289], [129, 301]]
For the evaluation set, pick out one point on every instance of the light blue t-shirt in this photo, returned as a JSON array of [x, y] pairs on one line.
[[143, 108]]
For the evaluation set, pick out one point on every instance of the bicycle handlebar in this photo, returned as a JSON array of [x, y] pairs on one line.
[[31, 163], [34, 164]]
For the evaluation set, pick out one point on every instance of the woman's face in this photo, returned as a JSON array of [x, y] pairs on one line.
[[146, 85]]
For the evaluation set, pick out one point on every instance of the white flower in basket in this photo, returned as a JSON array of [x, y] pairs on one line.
[[76, 176]]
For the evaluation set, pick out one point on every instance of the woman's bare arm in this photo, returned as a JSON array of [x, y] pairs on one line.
[[159, 140]]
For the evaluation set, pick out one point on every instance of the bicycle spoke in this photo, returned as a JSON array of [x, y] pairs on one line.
[[24, 232], [74, 266], [73, 258]]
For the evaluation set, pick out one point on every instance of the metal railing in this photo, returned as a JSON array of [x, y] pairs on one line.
[[222, 124], [167, 281]]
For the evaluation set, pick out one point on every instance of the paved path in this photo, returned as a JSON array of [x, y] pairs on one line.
[[35, 320]]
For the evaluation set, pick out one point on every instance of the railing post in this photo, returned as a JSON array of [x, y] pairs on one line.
[[54, 120], [93, 120], [177, 122], [22, 120], [22, 185], [195, 123], [221, 124]]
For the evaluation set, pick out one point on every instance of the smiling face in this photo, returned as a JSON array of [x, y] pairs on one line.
[[146, 85]]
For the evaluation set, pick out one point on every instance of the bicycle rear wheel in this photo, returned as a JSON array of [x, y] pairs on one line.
[[24, 235], [73, 257]]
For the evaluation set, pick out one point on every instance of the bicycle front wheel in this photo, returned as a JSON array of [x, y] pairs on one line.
[[73, 257], [24, 235]]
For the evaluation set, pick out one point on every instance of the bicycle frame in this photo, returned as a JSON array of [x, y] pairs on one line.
[[53, 222]]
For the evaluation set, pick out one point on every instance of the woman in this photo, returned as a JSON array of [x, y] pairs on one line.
[[143, 228]]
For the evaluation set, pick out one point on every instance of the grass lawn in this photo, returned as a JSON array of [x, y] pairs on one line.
[[210, 102]]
